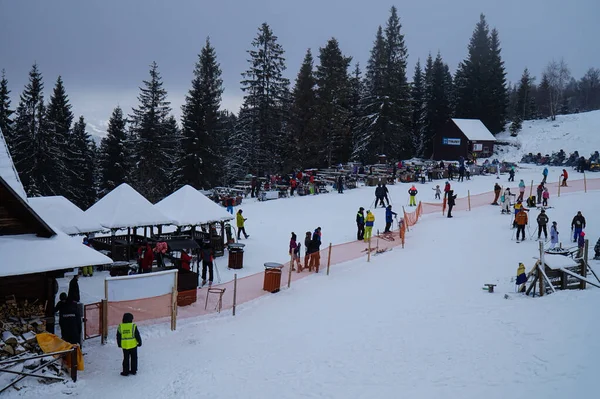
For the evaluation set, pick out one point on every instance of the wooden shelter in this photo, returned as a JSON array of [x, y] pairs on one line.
[[462, 138]]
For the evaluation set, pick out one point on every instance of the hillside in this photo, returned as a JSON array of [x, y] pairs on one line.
[[575, 132]]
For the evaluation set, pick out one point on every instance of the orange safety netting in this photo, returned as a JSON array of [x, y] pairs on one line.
[[251, 287]]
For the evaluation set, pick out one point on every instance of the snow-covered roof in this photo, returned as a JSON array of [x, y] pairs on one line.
[[7, 169], [189, 207], [556, 262], [474, 129], [124, 207], [65, 215], [27, 253]]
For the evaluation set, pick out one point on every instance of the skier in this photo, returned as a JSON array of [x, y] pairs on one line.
[[521, 190], [340, 185], [413, 193], [207, 255], [545, 196], [378, 195], [369, 225], [295, 253], [497, 190], [565, 176], [451, 202], [540, 191], [307, 240], [446, 189], [438, 192], [384, 192], [553, 235], [521, 220], [389, 218], [521, 278], [542, 221], [506, 201], [577, 225], [360, 224], [511, 174], [240, 221], [545, 174], [315, 255], [128, 338]]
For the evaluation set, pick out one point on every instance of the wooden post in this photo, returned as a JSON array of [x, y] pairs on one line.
[[369, 251], [104, 326], [290, 271], [329, 259], [531, 188], [559, 186], [584, 263], [234, 292], [174, 309], [584, 183], [469, 198], [541, 267], [73, 355]]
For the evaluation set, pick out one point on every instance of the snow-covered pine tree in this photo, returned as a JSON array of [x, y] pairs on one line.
[[525, 104], [6, 122], [150, 138], [171, 144], [266, 90], [200, 164], [543, 97], [589, 90], [59, 118], [113, 154], [418, 108], [31, 150], [356, 114], [437, 101], [243, 146], [302, 122], [83, 164], [333, 112], [227, 122]]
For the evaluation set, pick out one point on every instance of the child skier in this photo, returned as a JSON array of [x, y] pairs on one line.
[[521, 190], [506, 201], [438, 192], [295, 253], [564, 176], [389, 218], [521, 278], [369, 225], [545, 196], [580, 244], [553, 235]]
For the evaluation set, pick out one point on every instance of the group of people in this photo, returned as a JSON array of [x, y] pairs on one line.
[[312, 254], [365, 223]]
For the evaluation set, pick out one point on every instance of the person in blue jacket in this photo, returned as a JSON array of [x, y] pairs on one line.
[[389, 218], [545, 174]]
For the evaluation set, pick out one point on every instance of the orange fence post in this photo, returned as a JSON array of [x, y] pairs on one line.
[[329, 259]]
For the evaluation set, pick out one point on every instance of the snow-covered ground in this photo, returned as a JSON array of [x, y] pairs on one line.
[[412, 323], [575, 132]]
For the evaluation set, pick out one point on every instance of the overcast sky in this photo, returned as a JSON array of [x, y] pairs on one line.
[[103, 49]]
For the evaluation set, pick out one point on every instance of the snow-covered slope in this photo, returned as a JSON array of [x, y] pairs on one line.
[[576, 132]]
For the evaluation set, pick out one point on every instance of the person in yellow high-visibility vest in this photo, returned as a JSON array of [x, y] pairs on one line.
[[370, 221], [128, 338]]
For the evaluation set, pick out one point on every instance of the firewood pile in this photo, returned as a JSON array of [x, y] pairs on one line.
[[19, 324]]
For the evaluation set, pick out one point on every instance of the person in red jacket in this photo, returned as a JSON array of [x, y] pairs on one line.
[[147, 258], [185, 259], [565, 176]]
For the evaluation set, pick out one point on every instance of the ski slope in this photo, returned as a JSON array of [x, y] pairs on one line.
[[574, 132], [412, 323]]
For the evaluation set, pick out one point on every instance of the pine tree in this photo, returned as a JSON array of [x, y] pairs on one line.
[[437, 101], [59, 118], [172, 149], [543, 97], [6, 122], [418, 108], [333, 113], [497, 93], [31, 150], [303, 124], [525, 105], [201, 163], [266, 91], [589, 90], [388, 119], [83, 183], [151, 139], [356, 114], [114, 154], [480, 81]]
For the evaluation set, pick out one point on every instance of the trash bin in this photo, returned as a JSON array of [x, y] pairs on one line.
[[236, 256], [272, 281]]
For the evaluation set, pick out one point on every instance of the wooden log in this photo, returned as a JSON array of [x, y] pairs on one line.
[[329, 259]]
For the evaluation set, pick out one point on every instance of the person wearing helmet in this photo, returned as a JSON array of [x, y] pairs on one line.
[[577, 225], [580, 244], [542, 221], [413, 194], [553, 235]]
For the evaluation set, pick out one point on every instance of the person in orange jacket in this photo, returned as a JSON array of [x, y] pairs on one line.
[[564, 176], [521, 219]]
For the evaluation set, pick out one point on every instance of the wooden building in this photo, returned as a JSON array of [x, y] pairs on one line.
[[463, 138], [32, 252]]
